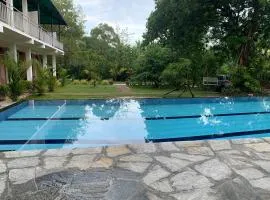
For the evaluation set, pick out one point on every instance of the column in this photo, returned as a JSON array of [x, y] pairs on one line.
[[25, 15], [54, 64], [13, 52], [44, 61], [10, 12], [14, 55], [28, 59]]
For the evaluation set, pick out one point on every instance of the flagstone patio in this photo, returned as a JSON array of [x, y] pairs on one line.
[[204, 170]]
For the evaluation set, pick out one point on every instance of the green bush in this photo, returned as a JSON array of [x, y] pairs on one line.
[[58, 83], [63, 77], [105, 82], [16, 72], [242, 80], [52, 83], [84, 82], [76, 82], [110, 81], [27, 86], [93, 82], [41, 79], [3, 92]]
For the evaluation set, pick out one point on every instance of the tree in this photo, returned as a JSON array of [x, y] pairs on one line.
[[105, 34], [150, 64], [110, 56], [179, 75], [180, 25], [238, 28], [72, 34]]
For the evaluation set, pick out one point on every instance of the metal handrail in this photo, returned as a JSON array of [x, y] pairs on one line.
[[26, 25]]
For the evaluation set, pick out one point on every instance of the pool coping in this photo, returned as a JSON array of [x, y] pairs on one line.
[[223, 168]]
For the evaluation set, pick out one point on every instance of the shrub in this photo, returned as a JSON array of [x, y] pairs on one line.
[[84, 82], [110, 81], [41, 79], [58, 83], [76, 82], [52, 83], [16, 72], [15, 90], [105, 82], [63, 77], [3, 92], [93, 82], [27, 86], [242, 79]]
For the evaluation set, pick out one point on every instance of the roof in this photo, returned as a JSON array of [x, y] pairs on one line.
[[49, 14]]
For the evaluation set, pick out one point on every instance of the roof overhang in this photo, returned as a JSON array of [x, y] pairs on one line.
[[49, 14]]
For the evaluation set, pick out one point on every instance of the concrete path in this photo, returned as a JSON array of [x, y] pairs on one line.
[[207, 170]]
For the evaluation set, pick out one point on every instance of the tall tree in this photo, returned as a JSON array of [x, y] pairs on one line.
[[71, 35], [238, 28], [151, 62]]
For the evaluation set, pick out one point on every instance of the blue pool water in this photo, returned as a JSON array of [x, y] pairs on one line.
[[85, 123]]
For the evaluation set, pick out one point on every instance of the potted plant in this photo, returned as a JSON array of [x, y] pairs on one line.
[[3, 92]]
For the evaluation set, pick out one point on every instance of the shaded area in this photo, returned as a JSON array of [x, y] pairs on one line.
[[78, 185]]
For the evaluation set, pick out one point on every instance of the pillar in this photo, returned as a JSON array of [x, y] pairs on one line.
[[14, 55], [44, 61], [28, 58], [54, 64], [25, 15], [10, 12]]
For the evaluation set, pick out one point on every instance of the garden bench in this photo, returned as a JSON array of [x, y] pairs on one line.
[[210, 81]]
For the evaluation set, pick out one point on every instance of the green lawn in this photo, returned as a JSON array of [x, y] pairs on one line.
[[88, 92]]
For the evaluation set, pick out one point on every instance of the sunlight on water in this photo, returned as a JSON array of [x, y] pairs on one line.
[[124, 121]]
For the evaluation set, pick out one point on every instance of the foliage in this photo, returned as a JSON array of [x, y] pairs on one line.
[[84, 82], [76, 82], [27, 86], [105, 82], [51, 82], [178, 74], [3, 91], [110, 81], [63, 77], [237, 29], [150, 64], [211, 35], [93, 82], [72, 34], [242, 79], [16, 72], [40, 81]]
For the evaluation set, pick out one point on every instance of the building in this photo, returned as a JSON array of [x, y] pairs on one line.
[[22, 33]]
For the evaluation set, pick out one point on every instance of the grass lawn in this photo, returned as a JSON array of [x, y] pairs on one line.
[[110, 91]]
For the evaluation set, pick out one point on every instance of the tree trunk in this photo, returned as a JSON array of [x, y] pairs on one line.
[[244, 55]]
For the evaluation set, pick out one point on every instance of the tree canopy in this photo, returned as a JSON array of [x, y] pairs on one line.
[[184, 42], [237, 29]]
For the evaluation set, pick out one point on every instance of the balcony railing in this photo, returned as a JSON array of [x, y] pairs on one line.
[[24, 24]]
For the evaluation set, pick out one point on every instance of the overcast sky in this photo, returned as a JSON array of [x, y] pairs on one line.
[[130, 14]]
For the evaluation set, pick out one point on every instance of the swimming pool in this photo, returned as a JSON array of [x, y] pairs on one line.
[[85, 123]]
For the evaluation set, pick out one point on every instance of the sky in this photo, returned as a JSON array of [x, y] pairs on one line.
[[124, 14]]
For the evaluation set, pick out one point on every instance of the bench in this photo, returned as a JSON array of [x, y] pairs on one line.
[[210, 81]]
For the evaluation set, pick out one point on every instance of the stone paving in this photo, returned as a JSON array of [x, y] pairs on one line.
[[198, 170]]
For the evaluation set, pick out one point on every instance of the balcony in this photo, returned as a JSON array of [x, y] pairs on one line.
[[23, 23]]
